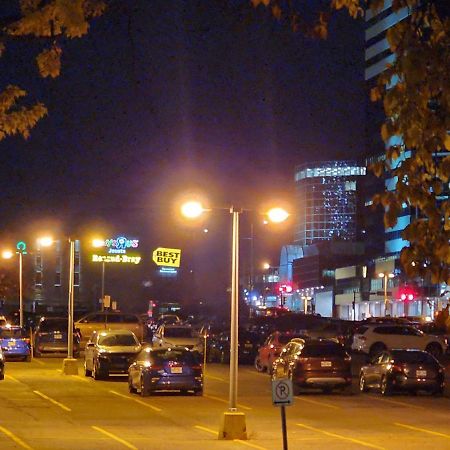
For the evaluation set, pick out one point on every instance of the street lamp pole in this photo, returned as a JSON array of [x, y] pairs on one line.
[[21, 289]]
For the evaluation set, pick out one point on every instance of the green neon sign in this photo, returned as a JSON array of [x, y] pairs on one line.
[[21, 247]]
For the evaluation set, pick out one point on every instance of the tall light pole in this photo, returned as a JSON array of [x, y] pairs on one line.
[[385, 276], [233, 422]]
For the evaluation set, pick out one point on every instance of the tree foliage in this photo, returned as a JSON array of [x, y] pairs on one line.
[[414, 89]]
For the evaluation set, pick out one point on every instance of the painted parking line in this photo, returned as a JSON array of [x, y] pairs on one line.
[[317, 402], [219, 399], [396, 402], [136, 400], [215, 378], [423, 430], [42, 363], [80, 378], [16, 439], [239, 441], [338, 436], [116, 438], [64, 407], [10, 377]]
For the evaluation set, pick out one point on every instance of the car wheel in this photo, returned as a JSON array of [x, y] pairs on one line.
[[198, 392], [385, 386], [87, 372], [258, 366], [99, 372], [131, 388], [434, 349], [376, 349], [362, 383], [27, 358], [2, 376], [143, 388]]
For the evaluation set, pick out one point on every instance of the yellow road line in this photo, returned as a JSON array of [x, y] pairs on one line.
[[423, 430], [16, 439], [52, 401], [137, 401], [219, 399], [80, 378], [214, 378], [39, 361], [316, 402], [395, 402], [9, 377], [338, 436], [208, 430], [249, 444], [116, 438]]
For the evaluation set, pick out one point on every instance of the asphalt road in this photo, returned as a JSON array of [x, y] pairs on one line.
[[43, 409]]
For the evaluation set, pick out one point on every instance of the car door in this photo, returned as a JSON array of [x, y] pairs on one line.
[[373, 370], [135, 368], [265, 352], [413, 338]]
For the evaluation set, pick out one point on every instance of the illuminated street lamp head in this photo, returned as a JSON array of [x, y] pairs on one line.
[[45, 241], [7, 254], [266, 266], [98, 243], [381, 275], [192, 209], [277, 215]]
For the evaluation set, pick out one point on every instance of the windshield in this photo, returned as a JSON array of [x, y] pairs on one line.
[[180, 356], [116, 340], [327, 350], [53, 325], [412, 357], [178, 332], [285, 338]]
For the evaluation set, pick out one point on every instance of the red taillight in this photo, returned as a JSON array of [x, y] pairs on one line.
[[397, 368]]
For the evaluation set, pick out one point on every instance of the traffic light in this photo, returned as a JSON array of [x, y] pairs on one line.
[[285, 289], [407, 294]]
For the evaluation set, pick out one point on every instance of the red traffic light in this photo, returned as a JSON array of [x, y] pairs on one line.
[[287, 288]]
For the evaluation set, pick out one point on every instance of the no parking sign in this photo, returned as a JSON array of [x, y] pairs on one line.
[[282, 392]]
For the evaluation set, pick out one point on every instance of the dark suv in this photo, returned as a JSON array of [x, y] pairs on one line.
[[51, 337], [315, 363]]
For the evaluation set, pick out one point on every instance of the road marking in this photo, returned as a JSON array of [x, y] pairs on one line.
[[208, 430], [396, 402], [213, 397], [10, 377], [338, 436], [137, 401], [248, 444], [16, 439], [116, 438], [80, 378], [316, 402], [52, 401], [423, 430], [215, 378], [39, 362]]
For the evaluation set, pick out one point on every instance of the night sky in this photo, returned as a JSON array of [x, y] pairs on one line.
[[180, 94]]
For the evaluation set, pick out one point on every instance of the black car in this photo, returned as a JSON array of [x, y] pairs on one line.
[[166, 369], [403, 370], [50, 337], [2, 365], [218, 348]]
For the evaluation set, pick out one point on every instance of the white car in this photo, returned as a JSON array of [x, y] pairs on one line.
[[177, 336], [372, 339]]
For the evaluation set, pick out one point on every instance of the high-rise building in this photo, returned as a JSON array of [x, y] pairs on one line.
[[327, 201]]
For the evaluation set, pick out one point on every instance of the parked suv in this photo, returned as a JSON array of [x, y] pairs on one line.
[[108, 320], [51, 336], [375, 338], [179, 336], [315, 363]]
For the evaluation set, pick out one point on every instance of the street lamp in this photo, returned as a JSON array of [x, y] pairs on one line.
[[233, 425], [385, 276]]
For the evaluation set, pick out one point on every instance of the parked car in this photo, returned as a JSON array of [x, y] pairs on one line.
[[166, 369], [2, 365], [109, 320], [110, 352], [218, 348], [51, 337], [177, 336], [15, 343], [271, 349], [372, 339], [410, 370], [315, 363]]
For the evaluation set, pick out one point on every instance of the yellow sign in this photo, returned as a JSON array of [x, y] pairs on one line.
[[169, 257], [116, 259]]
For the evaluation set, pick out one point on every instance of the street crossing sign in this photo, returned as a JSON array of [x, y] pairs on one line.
[[282, 392]]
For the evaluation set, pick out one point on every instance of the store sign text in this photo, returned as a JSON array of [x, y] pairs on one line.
[[116, 259]]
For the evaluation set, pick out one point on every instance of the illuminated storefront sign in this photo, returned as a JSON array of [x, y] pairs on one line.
[[116, 259], [169, 257], [121, 244]]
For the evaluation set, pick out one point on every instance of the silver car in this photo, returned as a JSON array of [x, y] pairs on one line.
[[110, 352]]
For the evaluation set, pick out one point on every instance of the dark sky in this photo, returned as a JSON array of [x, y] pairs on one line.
[[175, 94]]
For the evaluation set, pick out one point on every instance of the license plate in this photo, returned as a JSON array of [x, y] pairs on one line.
[[249, 346], [57, 336], [176, 370], [325, 363], [421, 373], [11, 344]]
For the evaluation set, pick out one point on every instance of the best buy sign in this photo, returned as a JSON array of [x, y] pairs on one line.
[[169, 257]]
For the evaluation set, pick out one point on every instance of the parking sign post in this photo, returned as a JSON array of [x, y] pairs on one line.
[[282, 396]]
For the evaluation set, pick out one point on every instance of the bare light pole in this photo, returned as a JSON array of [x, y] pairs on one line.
[[385, 276]]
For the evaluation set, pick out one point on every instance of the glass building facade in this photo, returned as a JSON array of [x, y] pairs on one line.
[[327, 201]]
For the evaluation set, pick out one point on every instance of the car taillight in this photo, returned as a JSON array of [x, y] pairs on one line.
[[397, 368]]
